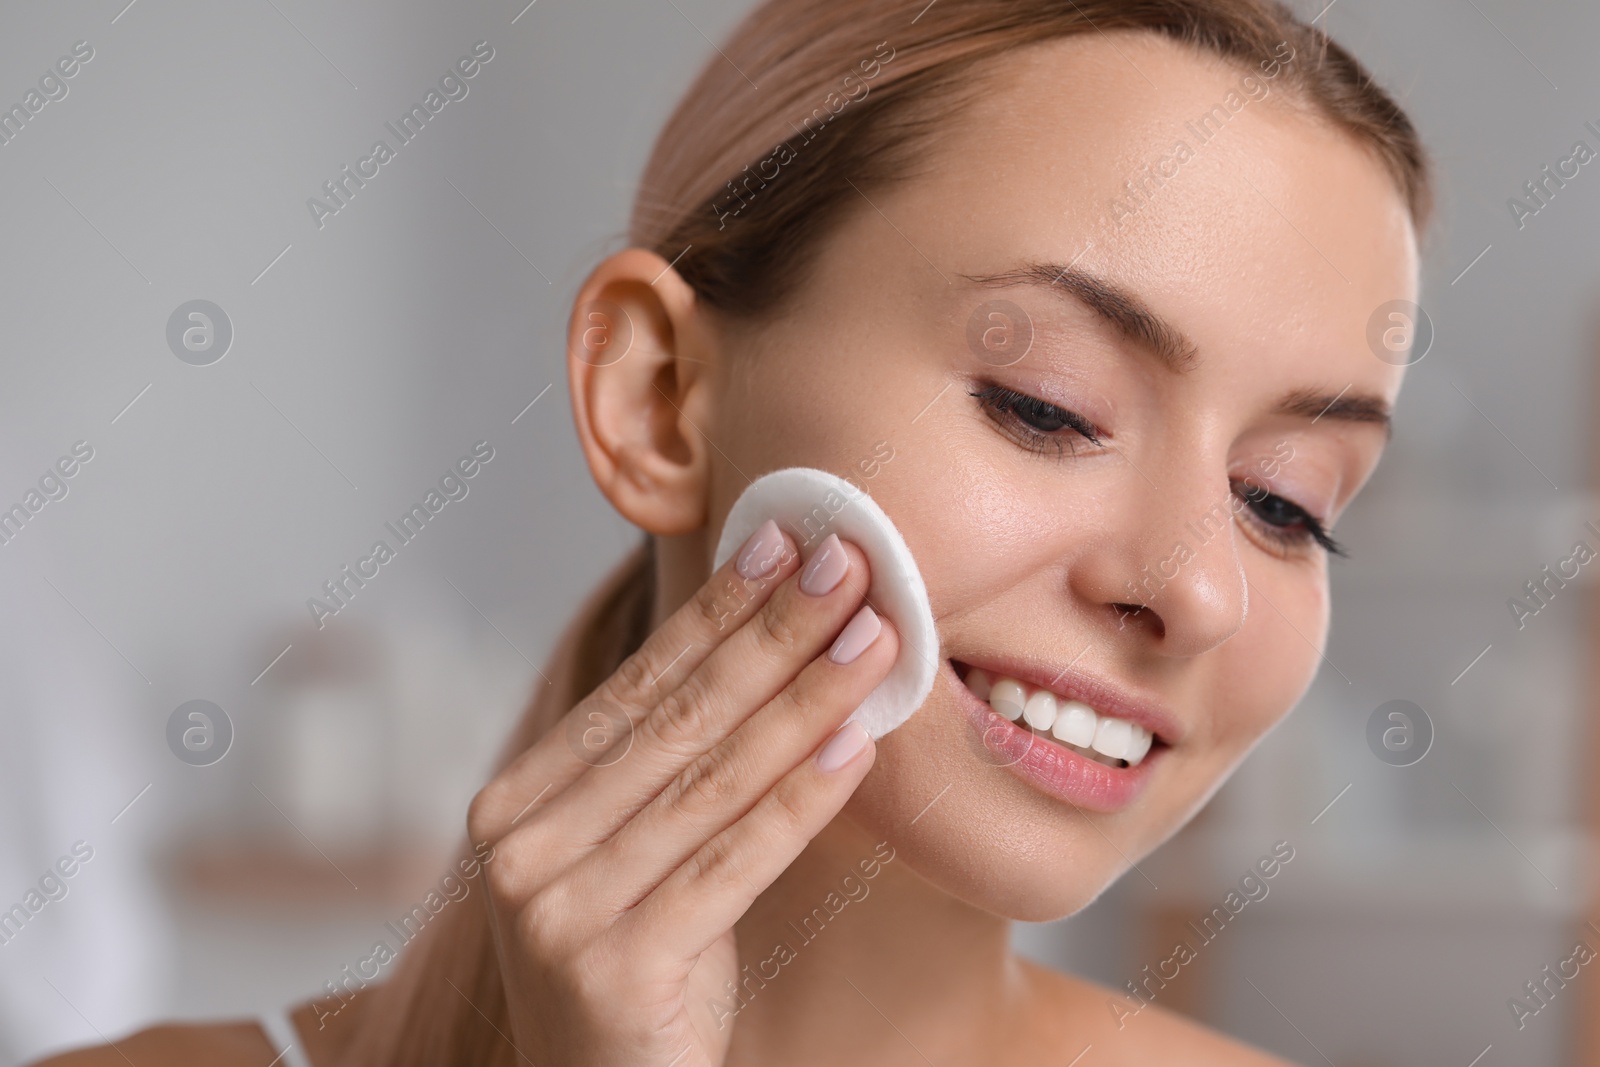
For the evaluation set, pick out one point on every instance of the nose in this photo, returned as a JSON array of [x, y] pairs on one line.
[[1172, 573]]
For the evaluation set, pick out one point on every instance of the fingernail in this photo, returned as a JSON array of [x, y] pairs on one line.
[[847, 742], [858, 634], [759, 555], [826, 566]]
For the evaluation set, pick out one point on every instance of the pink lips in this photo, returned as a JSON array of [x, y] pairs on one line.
[[1050, 767], [1077, 685]]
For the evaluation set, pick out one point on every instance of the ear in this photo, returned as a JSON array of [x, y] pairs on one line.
[[637, 349]]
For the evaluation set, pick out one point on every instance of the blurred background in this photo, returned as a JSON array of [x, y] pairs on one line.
[[244, 797]]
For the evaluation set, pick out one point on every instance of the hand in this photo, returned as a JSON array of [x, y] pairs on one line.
[[616, 885]]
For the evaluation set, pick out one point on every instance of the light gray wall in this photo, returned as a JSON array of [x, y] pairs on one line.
[[428, 313], [1420, 903], [421, 318]]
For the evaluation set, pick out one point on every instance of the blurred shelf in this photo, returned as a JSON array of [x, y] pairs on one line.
[[271, 872], [1436, 870], [1435, 541]]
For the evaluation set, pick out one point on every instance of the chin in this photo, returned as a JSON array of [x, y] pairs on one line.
[[982, 808], [1037, 874], [997, 802]]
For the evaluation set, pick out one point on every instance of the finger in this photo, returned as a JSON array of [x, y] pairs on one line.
[[720, 787], [703, 899], [741, 675], [731, 596]]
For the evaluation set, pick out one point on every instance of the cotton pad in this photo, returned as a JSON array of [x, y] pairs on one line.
[[809, 504]]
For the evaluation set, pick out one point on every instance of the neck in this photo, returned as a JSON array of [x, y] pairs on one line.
[[680, 570], [850, 955]]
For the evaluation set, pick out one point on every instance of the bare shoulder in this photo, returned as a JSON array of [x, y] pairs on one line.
[[238, 1043], [1122, 1031], [210, 1045]]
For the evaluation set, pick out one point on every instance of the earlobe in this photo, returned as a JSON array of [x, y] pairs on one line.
[[638, 394]]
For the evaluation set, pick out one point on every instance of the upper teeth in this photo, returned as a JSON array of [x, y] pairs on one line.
[[1069, 721]]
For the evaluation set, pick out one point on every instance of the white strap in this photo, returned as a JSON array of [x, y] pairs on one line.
[[284, 1039]]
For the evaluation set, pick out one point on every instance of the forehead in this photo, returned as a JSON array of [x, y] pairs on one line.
[[1249, 220]]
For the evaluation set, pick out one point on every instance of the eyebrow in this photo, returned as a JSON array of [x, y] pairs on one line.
[[1360, 408], [1127, 312], [1118, 306]]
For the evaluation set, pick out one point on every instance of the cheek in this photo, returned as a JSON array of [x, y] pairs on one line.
[[974, 529], [801, 403], [1270, 662], [963, 561]]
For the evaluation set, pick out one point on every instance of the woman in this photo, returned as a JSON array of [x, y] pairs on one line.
[[1080, 293]]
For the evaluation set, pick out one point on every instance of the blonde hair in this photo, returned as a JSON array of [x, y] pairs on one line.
[[747, 262]]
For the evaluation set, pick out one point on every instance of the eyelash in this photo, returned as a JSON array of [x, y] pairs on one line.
[[1015, 410], [1302, 527]]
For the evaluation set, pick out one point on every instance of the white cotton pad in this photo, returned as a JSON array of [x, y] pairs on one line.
[[810, 504]]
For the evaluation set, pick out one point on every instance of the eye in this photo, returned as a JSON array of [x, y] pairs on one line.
[[1038, 422], [1284, 521]]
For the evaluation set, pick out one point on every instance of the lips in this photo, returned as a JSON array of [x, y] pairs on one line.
[[1068, 684], [1069, 735]]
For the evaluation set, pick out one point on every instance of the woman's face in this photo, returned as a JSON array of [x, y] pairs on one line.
[[1210, 326]]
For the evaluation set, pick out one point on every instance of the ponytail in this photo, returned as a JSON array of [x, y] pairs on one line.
[[740, 236], [421, 1015]]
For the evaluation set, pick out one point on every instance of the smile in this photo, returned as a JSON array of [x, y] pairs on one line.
[[1068, 734], [1104, 738]]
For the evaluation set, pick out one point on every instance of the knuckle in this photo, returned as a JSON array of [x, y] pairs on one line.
[[715, 866], [789, 808], [679, 717], [500, 882], [508, 880], [631, 681], [540, 927], [705, 783], [483, 813], [595, 974], [804, 699], [777, 632], [724, 601], [717, 601]]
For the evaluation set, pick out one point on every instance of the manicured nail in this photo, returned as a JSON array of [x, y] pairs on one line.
[[858, 634], [759, 556], [847, 742], [826, 566]]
